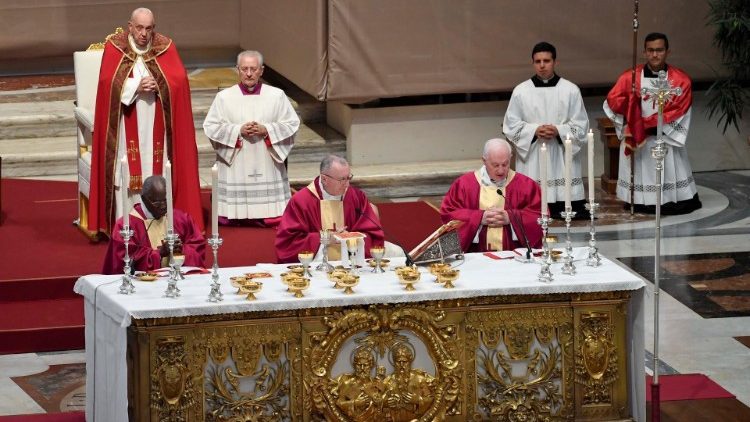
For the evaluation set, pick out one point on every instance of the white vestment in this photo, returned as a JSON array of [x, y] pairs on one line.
[[145, 108], [678, 182], [561, 105], [253, 181]]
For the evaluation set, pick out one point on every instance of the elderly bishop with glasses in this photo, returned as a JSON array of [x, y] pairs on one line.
[[329, 202]]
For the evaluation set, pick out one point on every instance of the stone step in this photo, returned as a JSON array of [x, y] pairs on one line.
[[56, 156], [44, 119]]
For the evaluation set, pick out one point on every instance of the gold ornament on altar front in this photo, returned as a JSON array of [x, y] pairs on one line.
[[172, 388], [597, 358]]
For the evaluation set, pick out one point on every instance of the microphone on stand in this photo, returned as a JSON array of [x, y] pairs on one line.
[[523, 230], [361, 213]]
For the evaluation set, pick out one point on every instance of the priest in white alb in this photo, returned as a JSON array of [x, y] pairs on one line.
[[252, 126], [548, 109]]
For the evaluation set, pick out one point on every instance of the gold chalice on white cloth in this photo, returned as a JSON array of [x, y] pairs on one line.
[[336, 275], [299, 285], [305, 258], [237, 282], [347, 282], [250, 288], [447, 276], [437, 267]]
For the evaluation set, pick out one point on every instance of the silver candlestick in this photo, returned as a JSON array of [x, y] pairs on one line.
[[545, 275], [568, 267], [127, 287], [593, 259], [325, 240], [174, 272], [215, 295]]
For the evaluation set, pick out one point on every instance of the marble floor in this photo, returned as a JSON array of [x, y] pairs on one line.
[[704, 304]]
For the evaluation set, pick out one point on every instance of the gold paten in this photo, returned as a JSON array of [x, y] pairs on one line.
[[493, 358]]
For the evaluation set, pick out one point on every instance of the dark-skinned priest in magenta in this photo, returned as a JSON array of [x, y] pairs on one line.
[[329, 202], [148, 249], [498, 206]]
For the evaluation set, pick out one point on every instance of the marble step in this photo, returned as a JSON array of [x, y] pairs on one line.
[[44, 119], [56, 156]]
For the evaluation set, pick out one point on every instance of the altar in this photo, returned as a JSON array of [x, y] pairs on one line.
[[499, 346]]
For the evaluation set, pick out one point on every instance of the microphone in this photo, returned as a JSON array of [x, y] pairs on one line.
[[523, 231], [361, 213]]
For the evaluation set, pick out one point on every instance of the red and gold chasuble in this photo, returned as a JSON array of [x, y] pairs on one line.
[[331, 218], [488, 198]]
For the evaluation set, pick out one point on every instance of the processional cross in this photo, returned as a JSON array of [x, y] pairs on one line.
[[662, 92]]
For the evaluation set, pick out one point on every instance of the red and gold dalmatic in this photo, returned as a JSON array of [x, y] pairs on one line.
[[173, 94]]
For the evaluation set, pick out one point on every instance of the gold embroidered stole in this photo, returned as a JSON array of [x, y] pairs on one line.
[[156, 230], [488, 198], [331, 218]]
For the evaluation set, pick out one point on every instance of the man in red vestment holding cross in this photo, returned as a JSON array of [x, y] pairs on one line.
[[144, 113]]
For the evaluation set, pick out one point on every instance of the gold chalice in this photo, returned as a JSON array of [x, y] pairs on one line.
[[299, 285], [237, 282], [305, 258], [347, 282], [408, 276], [447, 277], [250, 288], [377, 253], [286, 277]]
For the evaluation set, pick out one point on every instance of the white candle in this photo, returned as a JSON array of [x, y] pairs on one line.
[[590, 140], [170, 210], [215, 199], [124, 191], [568, 164], [543, 176]]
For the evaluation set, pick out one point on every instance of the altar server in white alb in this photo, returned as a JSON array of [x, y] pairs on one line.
[[638, 115], [252, 126], [548, 109]]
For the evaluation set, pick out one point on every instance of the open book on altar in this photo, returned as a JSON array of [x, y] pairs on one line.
[[439, 245]]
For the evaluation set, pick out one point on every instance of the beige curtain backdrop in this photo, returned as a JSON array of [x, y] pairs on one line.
[[357, 50]]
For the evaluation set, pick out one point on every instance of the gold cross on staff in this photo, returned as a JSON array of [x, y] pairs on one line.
[[661, 90], [132, 150]]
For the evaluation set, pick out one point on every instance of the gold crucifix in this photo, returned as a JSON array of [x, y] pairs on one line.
[[132, 150]]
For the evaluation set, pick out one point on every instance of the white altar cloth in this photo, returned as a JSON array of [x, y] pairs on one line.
[[108, 313]]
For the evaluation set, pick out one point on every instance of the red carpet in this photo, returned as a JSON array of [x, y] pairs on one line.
[[43, 254], [687, 387], [49, 417]]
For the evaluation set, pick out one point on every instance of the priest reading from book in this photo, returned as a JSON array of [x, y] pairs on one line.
[[147, 248], [329, 202], [499, 207], [144, 113]]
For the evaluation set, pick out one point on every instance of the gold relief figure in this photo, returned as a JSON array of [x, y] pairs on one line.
[[409, 391], [359, 395]]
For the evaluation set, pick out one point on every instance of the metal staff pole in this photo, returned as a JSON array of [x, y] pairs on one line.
[[633, 93], [662, 91]]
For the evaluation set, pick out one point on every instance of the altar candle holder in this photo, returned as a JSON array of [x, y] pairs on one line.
[[545, 275], [174, 275], [325, 241], [215, 294], [127, 287], [568, 267], [593, 260]]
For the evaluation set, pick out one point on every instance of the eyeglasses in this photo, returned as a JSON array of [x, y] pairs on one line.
[[343, 180]]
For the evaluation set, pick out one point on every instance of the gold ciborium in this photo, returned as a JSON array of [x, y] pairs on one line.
[[250, 288], [376, 263], [299, 285], [447, 277], [408, 276], [296, 269], [237, 282], [437, 267], [347, 282], [336, 275], [286, 277], [305, 258]]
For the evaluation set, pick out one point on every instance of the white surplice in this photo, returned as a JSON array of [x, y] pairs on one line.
[[559, 104], [253, 181], [678, 181]]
